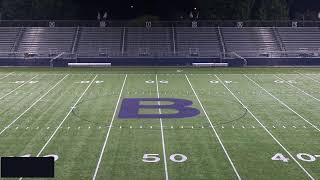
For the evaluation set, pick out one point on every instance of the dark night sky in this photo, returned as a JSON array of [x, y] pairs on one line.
[[302, 5], [120, 9]]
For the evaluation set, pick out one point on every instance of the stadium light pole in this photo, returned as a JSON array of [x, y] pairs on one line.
[[317, 23], [132, 8]]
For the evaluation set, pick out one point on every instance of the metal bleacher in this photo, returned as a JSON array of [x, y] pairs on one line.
[[299, 38], [148, 41], [200, 41], [250, 41], [160, 41], [47, 40], [8, 38], [99, 41]]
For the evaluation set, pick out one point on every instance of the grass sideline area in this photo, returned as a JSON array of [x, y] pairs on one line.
[[163, 70], [254, 123]]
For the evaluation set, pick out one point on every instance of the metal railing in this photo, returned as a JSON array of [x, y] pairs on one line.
[[37, 55], [245, 62], [276, 54], [185, 23], [179, 54]]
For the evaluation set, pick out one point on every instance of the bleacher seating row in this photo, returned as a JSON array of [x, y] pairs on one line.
[[8, 38], [245, 41], [43, 39], [95, 41], [201, 41], [139, 41]]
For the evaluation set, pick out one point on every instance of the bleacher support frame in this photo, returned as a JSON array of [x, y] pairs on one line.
[[174, 40], [75, 40], [18, 39], [278, 38], [123, 40], [221, 41]]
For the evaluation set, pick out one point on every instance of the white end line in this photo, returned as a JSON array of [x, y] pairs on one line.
[[18, 87], [54, 133], [275, 139], [283, 103], [109, 129], [33, 104], [214, 130], [162, 134]]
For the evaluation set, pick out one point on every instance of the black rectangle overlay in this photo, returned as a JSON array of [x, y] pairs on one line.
[[29, 167]]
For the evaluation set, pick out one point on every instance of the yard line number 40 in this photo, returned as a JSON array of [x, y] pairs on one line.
[[56, 157], [301, 156]]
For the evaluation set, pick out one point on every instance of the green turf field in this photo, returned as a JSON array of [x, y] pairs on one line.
[[255, 123]]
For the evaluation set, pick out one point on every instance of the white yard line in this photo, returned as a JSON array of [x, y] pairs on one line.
[[298, 88], [6, 75], [162, 135], [75, 104], [109, 130], [214, 130], [284, 104], [54, 133], [313, 79], [18, 87], [262, 125], [314, 75], [33, 105]]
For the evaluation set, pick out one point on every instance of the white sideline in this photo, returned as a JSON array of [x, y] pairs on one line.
[[6, 75], [109, 129], [162, 135], [262, 125], [18, 87], [214, 130], [281, 102], [54, 133], [298, 88], [33, 105]]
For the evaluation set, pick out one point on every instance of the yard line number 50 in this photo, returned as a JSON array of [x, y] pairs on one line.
[[154, 158]]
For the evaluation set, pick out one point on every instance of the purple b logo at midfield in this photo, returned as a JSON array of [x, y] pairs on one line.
[[130, 108]]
